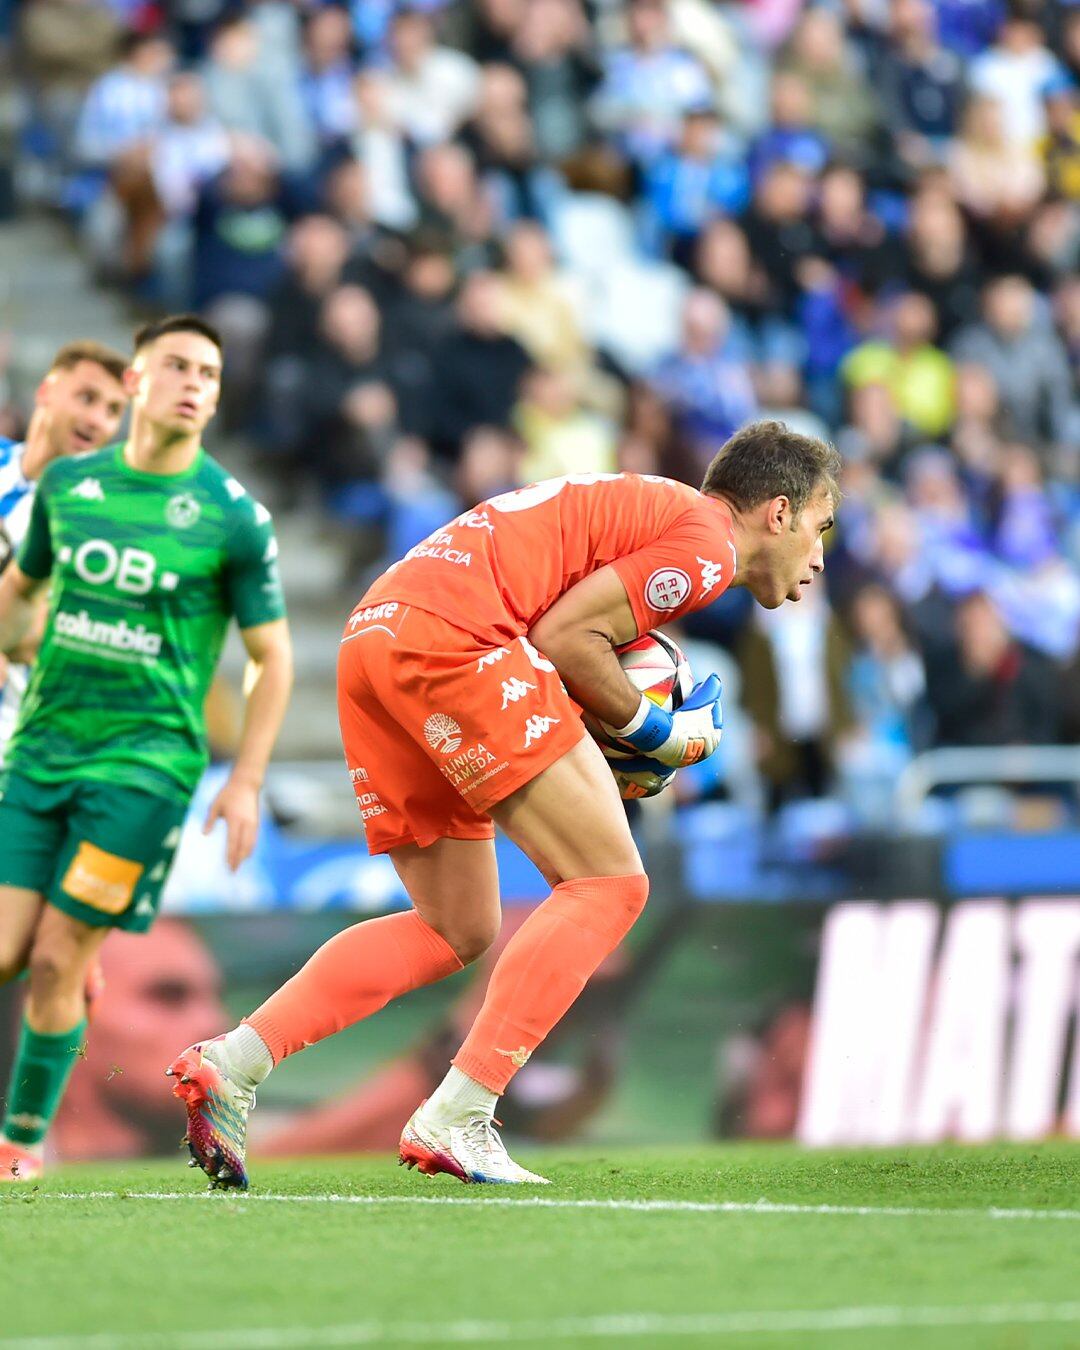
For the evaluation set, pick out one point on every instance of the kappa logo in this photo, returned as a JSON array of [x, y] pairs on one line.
[[712, 574], [475, 520], [144, 906], [492, 658], [538, 726], [442, 733], [89, 489], [182, 511], [537, 661], [513, 690], [519, 1057]]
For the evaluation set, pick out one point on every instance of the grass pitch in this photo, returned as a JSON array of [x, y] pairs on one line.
[[735, 1246]]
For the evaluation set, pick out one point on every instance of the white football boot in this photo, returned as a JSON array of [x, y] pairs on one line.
[[469, 1149]]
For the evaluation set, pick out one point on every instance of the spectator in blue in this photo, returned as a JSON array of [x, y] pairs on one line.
[[887, 677], [710, 391], [968, 27], [127, 105], [648, 85], [327, 79], [689, 185], [791, 137]]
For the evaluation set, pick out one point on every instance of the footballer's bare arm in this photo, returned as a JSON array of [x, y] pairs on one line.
[[579, 634], [267, 683], [20, 609]]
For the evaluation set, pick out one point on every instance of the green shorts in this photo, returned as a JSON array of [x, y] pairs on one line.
[[100, 853]]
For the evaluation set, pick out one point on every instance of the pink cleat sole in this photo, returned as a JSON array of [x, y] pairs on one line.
[[432, 1162], [196, 1086]]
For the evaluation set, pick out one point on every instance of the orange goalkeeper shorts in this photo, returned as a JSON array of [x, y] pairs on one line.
[[438, 727]]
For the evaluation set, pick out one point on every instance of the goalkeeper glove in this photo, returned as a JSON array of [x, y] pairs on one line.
[[686, 736]]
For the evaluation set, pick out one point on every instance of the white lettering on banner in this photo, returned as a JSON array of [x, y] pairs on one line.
[[965, 1046], [667, 588], [868, 1008], [1048, 938], [513, 690], [969, 1043], [537, 726], [119, 636], [359, 774], [491, 658]]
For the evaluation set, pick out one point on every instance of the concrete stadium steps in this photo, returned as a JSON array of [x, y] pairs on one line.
[[48, 296]]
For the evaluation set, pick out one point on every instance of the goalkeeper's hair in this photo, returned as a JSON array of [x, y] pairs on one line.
[[177, 323], [85, 349], [766, 460]]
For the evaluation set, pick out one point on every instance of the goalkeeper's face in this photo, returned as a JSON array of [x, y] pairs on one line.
[[793, 552], [177, 382]]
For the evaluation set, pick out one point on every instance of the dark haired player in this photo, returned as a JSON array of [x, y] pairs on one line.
[[148, 548], [461, 676]]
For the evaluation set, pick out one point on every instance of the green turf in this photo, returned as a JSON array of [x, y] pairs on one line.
[[225, 1265]]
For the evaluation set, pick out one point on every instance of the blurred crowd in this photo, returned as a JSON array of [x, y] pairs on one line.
[[455, 247]]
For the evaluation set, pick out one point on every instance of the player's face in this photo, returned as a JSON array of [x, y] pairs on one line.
[[796, 552], [177, 382], [85, 406]]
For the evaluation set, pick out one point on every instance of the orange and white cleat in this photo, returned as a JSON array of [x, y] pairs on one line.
[[217, 1111], [19, 1164], [470, 1150]]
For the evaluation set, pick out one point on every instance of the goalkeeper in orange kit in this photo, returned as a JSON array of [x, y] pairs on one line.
[[461, 677]]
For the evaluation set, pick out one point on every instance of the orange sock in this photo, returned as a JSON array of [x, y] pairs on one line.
[[545, 966], [353, 975]]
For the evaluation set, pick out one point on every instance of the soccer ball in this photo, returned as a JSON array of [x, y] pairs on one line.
[[656, 665]]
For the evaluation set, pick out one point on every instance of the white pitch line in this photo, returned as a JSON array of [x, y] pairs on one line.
[[544, 1202], [615, 1326]]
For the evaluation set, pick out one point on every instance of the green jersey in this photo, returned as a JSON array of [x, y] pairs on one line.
[[146, 570]]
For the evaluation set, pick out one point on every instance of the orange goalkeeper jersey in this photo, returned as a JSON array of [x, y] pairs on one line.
[[494, 570]]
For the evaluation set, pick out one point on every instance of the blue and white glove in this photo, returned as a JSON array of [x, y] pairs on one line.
[[686, 736]]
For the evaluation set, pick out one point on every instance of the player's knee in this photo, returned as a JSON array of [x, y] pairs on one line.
[[471, 939], [632, 892], [609, 905], [53, 969]]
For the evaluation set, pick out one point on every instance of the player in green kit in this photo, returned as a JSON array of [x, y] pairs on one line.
[[148, 549]]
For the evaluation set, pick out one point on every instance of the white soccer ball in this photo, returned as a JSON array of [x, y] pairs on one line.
[[656, 665]]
